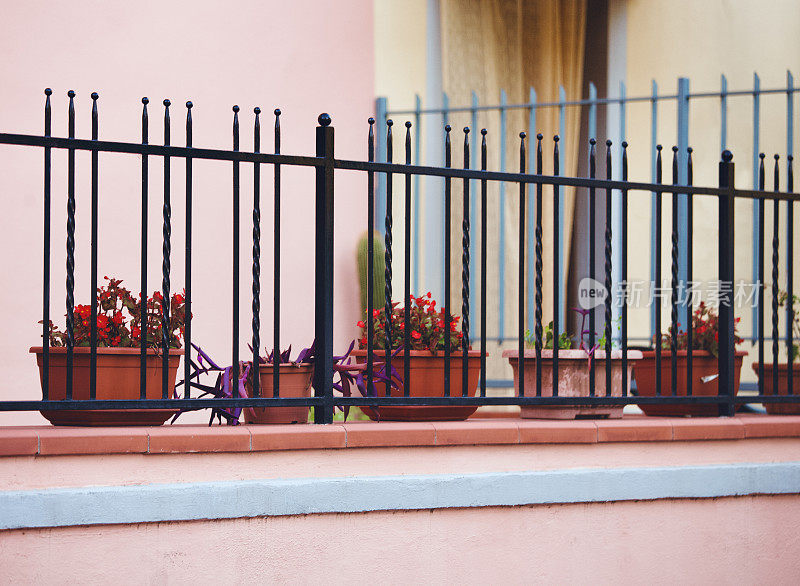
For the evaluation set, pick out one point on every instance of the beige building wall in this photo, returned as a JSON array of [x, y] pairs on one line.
[[701, 41]]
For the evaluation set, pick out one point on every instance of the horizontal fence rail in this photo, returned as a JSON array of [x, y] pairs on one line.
[[387, 354]]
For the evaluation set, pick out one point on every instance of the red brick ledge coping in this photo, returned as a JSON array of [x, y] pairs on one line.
[[51, 441]]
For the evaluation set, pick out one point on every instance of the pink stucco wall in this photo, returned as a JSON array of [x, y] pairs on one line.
[[306, 57], [744, 540]]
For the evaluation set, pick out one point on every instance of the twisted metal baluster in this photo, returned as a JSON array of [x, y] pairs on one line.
[[166, 250], [465, 273], [775, 244], [674, 292], [607, 330], [70, 245], [256, 368], [539, 265], [388, 257]]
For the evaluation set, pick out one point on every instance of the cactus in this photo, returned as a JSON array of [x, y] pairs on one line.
[[378, 293]]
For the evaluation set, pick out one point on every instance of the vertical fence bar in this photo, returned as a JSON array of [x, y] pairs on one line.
[[673, 347], [624, 270], [521, 273], [758, 205], [187, 333], [592, 253], [689, 270], [70, 244], [235, 260], [445, 122], [483, 263], [539, 266], [654, 153], [608, 267], [388, 310], [255, 369], [46, 254], [370, 257], [165, 260], [657, 288], [726, 262], [790, 277], [531, 242], [447, 219], [144, 329], [759, 264], [407, 293], [323, 273], [94, 243], [466, 246], [501, 247], [775, 244], [276, 258], [556, 256], [415, 250]]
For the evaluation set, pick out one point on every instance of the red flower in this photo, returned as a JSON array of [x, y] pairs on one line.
[[416, 335], [361, 324], [376, 313]]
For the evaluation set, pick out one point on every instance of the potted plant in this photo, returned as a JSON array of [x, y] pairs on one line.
[[783, 368], [426, 356], [296, 379], [574, 365], [119, 331], [705, 366]]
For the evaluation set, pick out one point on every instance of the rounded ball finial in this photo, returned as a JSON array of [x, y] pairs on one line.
[[727, 156], [167, 103], [48, 91], [324, 119], [539, 136], [189, 105], [408, 123], [71, 93], [256, 110], [608, 142], [659, 147], [371, 120], [522, 135], [761, 156], [466, 130], [556, 138], [484, 132], [689, 150], [790, 157], [447, 128], [145, 100], [777, 156], [674, 149], [277, 112], [624, 144], [390, 122], [235, 109], [95, 95], [592, 141]]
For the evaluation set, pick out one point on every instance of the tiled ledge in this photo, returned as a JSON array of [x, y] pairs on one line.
[[52, 441]]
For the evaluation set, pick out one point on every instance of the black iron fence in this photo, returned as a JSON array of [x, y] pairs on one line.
[[538, 181]]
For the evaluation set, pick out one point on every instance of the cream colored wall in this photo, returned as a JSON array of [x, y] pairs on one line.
[[701, 40]]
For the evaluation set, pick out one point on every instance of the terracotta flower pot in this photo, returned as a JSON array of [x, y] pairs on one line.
[[426, 380], [573, 381], [703, 365], [117, 379], [783, 387], [295, 382]]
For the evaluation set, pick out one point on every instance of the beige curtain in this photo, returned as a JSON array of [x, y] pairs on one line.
[[512, 45]]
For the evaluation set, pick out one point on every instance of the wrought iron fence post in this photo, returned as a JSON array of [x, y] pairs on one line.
[[323, 291], [726, 335]]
